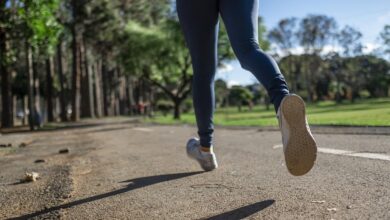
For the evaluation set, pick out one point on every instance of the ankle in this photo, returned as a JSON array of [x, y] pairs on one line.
[[206, 149]]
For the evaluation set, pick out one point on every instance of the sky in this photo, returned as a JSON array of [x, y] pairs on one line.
[[367, 16]]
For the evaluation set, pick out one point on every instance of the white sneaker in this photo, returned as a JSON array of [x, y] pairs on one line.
[[299, 146], [207, 160]]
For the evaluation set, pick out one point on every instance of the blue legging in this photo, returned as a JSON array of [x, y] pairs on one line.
[[199, 22]]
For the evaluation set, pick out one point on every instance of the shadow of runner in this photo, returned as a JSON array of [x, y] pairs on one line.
[[133, 184], [243, 212]]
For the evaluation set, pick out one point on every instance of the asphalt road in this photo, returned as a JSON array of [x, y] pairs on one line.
[[123, 170]]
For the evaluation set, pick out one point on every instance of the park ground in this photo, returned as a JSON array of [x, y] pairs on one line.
[[119, 168], [364, 112]]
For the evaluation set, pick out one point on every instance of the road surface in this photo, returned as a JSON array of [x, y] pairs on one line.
[[124, 170]]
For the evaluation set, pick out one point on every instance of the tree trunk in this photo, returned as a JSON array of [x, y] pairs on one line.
[[6, 93], [30, 85], [14, 109], [151, 101], [61, 77], [338, 92], [86, 86], [267, 102], [308, 86], [25, 110], [90, 90], [98, 89], [295, 73], [49, 88], [115, 93], [122, 96], [37, 93], [176, 113], [76, 73], [105, 87], [130, 95]]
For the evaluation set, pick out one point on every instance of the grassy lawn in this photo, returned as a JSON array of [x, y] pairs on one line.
[[373, 112]]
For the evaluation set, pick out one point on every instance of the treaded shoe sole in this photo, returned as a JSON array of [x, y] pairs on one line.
[[301, 149]]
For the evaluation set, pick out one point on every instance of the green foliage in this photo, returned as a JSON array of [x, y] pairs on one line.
[[284, 34], [338, 77], [187, 105], [173, 61], [146, 12], [370, 73], [141, 48], [164, 106], [315, 32], [385, 38], [102, 26], [263, 42], [349, 38], [221, 92], [240, 95], [225, 51], [42, 28]]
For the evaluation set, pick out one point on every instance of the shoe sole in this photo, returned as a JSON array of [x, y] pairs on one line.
[[207, 169], [301, 151]]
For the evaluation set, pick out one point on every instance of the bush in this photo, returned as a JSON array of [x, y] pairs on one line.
[[187, 105], [164, 106]]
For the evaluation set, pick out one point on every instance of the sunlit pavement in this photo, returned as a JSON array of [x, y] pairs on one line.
[[135, 171]]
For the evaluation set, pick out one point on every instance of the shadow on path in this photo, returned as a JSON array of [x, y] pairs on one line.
[[244, 212], [133, 184]]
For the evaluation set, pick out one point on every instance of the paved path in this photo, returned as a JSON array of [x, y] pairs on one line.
[[127, 170]]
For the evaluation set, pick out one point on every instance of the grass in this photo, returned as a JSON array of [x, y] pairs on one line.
[[368, 112]]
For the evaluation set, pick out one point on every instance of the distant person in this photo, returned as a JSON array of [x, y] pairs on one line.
[[199, 22]]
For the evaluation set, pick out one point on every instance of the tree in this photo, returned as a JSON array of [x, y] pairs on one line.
[[77, 7], [371, 73], [262, 31], [6, 119], [61, 78], [385, 38], [160, 56], [284, 36], [172, 72], [334, 64], [49, 88], [240, 95], [145, 12], [40, 32], [222, 92], [314, 33], [292, 67], [349, 39]]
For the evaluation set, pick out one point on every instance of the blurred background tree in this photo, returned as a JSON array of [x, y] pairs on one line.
[[66, 60]]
